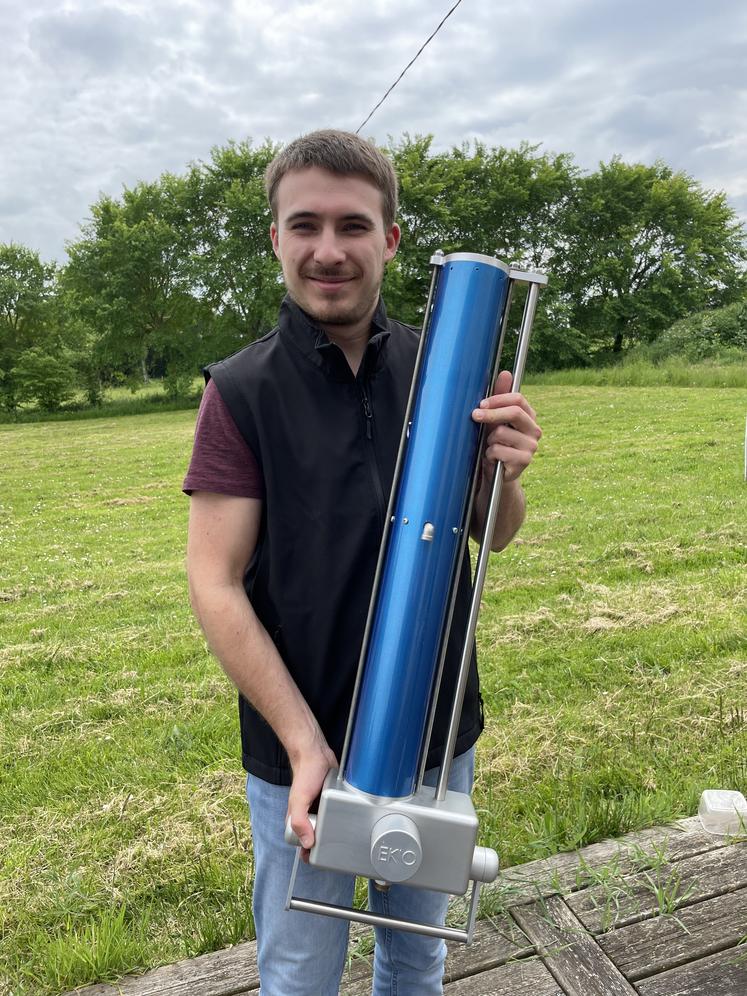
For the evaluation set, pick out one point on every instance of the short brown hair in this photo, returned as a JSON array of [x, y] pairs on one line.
[[339, 152]]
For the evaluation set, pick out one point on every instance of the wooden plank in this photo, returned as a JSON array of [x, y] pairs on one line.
[[527, 977], [234, 970], [221, 973], [665, 942], [722, 974], [569, 871], [495, 942], [624, 900], [573, 956]]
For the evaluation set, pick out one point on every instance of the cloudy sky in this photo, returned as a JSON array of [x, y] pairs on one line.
[[97, 94]]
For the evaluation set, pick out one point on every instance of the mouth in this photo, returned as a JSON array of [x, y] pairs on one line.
[[330, 282]]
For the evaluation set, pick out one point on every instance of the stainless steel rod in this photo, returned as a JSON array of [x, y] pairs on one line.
[[472, 914], [484, 555], [377, 920]]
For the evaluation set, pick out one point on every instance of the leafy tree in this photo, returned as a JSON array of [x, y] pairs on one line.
[[130, 280], [26, 290], [232, 266], [473, 199], [717, 332], [425, 217], [47, 379], [642, 246]]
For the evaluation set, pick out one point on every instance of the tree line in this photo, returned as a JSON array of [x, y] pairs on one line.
[[178, 272]]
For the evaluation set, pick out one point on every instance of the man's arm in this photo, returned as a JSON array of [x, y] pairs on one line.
[[512, 436], [223, 532]]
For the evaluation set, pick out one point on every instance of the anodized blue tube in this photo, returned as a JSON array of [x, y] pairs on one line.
[[413, 597]]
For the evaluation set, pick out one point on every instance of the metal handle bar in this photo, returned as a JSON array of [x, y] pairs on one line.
[[380, 920]]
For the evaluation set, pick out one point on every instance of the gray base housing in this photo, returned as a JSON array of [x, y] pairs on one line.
[[419, 840]]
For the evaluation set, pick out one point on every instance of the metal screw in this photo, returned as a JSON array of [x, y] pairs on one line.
[[405, 520]]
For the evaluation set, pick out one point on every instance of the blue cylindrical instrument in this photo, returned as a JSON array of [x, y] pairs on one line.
[[419, 568], [376, 818]]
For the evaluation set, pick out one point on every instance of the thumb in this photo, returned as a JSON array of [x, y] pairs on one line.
[[298, 814], [503, 382]]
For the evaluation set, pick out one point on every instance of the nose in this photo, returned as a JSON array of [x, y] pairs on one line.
[[327, 250]]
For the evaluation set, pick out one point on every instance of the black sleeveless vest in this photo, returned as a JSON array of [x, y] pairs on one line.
[[326, 442]]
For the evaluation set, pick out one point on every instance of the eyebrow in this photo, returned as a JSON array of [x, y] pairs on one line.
[[300, 215]]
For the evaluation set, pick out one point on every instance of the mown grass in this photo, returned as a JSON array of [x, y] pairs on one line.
[[611, 643], [636, 371]]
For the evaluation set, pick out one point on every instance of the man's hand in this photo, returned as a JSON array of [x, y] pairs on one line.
[[512, 431], [310, 768], [512, 437]]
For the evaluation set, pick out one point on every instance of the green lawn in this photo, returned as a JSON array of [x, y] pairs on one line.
[[612, 649]]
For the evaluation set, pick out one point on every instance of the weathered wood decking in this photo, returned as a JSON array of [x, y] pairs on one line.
[[657, 913]]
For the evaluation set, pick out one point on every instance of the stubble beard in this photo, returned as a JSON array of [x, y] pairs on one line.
[[339, 315], [351, 315]]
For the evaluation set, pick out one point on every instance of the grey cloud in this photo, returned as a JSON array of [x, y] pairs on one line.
[[101, 40], [93, 97]]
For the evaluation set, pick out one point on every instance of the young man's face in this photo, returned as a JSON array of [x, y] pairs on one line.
[[332, 244]]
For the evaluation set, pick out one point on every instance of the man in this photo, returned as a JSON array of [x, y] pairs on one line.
[[294, 456]]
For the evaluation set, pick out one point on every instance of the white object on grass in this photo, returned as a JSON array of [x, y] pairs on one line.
[[723, 811]]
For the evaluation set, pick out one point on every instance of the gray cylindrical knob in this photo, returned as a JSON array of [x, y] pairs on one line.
[[290, 835], [395, 848], [484, 865]]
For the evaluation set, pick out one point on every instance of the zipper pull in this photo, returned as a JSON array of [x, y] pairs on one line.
[[368, 414]]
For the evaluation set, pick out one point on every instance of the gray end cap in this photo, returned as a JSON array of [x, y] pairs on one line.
[[396, 853], [485, 865]]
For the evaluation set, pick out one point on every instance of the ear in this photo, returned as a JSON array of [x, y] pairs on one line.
[[392, 242], [274, 239]]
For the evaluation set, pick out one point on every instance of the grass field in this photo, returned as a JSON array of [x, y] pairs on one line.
[[612, 649]]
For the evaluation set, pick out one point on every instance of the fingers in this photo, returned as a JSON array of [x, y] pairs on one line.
[[516, 452], [508, 409], [512, 434], [308, 779], [298, 811]]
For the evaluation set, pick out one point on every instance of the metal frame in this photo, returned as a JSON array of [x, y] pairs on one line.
[[463, 936]]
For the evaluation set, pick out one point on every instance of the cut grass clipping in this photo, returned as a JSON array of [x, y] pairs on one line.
[[611, 642]]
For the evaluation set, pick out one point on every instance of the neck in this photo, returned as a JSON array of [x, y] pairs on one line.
[[352, 340]]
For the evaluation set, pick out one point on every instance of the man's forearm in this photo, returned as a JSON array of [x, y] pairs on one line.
[[251, 660], [511, 511]]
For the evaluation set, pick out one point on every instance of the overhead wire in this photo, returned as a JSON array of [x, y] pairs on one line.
[[410, 63]]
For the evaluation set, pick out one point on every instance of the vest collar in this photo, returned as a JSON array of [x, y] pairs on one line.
[[298, 327]]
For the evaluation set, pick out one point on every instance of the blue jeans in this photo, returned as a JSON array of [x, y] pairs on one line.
[[303, 954]]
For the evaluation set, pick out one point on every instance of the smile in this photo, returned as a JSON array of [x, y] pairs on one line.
[[325, 279], [329, 283]]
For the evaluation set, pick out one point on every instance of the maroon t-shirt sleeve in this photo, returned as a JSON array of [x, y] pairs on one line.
[[221, 460]]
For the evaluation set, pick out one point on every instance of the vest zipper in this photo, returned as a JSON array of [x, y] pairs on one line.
[[371, 454], [368, 414]]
